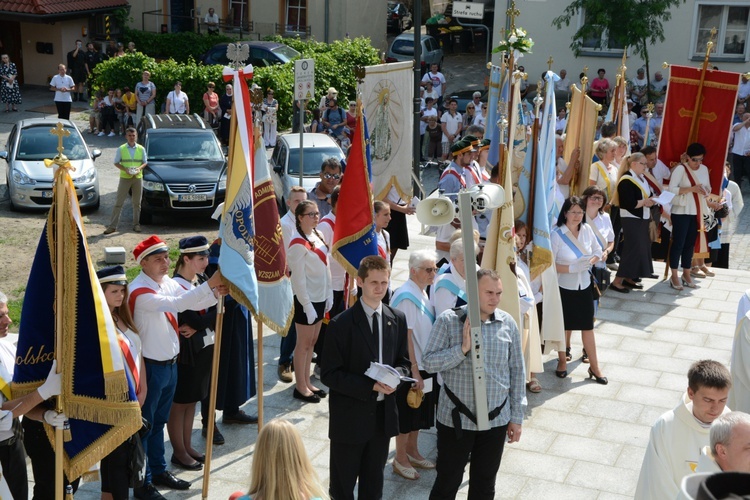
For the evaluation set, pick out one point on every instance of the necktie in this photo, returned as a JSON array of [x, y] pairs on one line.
[[375, 325]]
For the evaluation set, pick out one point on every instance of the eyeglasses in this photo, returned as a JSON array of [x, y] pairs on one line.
[[697, 160], [597, 198], [332, 176], [570, 212], [429, 270], [312, 215]]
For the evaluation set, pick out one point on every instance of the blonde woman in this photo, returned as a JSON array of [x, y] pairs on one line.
[[281, 469]]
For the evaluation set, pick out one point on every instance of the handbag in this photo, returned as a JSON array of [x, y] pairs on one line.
[[414, 398], [601, 278], [137, 455]]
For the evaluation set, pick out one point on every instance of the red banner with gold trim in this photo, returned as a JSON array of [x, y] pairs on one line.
[[718, 97]]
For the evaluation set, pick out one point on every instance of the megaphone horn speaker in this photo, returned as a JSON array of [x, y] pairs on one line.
[[436, 211], [487, 197]]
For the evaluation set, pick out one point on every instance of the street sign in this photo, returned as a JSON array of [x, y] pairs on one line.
[[473, 10], [304, 79]]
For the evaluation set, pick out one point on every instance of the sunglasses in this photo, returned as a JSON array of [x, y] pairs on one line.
[[332, 176]]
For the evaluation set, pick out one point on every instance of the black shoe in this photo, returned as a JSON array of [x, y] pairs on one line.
[[561, 373], [320, 393], [148, 492], [599, 380], [634, 285], [619, 289], [218, 436], [653, 276], [194, 466], [312, 398], [584, 357], [168, 479], [568, 356], [200, 458], [239, 418]]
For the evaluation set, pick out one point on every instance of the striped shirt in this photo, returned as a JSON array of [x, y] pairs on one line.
[[503, 365]]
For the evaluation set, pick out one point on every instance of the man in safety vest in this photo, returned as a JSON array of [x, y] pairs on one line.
[[131, 159]]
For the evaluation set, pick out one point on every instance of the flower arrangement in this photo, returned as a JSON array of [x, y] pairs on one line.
[[517, 43]]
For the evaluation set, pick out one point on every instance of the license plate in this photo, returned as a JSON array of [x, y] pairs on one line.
[[191, 197], [46, 194]]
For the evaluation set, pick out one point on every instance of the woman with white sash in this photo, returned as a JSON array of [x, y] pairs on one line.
[[575, 250], [603, 173], [411, 299], [634, 200]]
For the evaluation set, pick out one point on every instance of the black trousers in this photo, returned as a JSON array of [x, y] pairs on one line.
[[486, 448], [13, 460], [740, 168], [361, 460], [63, 109], [42, 460]]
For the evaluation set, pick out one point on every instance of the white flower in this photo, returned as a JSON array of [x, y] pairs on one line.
[[520, 32], [512, 39]]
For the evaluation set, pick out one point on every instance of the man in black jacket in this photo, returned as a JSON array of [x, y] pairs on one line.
[[363, 414]]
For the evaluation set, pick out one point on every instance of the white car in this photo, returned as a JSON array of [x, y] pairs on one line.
[[284, 162], [30, 182]]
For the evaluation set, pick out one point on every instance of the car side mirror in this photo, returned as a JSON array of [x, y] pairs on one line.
[[4, 155], [96, 153]]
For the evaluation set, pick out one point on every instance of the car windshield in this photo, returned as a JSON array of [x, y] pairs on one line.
[[285, 53], [313, 158], [183, 145], [403, 47], [36, 144]]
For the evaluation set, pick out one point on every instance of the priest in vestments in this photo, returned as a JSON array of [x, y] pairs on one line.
[[678, 436], [739, 365]]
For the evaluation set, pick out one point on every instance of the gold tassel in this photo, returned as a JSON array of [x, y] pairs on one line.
[[94, 410], [116, 386]]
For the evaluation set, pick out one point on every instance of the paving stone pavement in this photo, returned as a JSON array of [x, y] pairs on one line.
[[580, 440]]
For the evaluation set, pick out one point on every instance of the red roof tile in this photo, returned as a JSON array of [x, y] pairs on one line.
[[46, 7]]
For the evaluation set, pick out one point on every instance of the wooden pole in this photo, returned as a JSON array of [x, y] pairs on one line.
[[260, 375], [693, 136], [59, 309], [579, 126], [212, 396]]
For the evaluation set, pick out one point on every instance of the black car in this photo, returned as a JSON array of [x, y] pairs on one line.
[[260, 54], [187, 170], [399, 17]]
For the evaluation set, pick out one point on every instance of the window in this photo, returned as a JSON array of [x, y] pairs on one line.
[[731, 23], [239, 12], [296, 16], [600, 43]]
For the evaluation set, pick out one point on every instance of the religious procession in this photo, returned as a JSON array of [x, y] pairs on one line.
[[434, 314]]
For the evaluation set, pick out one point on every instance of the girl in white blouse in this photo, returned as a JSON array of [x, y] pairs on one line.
[[575, 250], [307, 258], [691, 186]]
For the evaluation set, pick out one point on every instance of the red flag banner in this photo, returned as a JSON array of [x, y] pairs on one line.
[[718, 97]]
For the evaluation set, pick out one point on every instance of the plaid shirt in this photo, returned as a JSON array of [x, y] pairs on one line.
[[503, 365]]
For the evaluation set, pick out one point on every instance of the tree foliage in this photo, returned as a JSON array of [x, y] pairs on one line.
[[632, 23]]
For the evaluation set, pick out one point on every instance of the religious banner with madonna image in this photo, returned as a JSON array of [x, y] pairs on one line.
[[386, 94]]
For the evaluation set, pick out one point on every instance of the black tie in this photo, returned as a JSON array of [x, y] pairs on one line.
[[375, 325]]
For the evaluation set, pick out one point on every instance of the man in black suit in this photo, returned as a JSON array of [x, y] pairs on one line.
[[363, 414]]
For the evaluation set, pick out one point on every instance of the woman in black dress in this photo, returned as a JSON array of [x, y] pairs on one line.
[[196, 354], [225, 103]]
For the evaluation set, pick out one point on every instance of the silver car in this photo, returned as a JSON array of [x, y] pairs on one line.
[[285, 162], [402, 49], [30, 182]]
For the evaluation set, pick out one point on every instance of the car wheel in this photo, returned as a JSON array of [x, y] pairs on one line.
[[146, 217]]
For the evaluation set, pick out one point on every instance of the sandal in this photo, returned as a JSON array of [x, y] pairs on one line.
[[584, 357], [695, 272], [705, 269], [534, 386], [405, 472], [568, 356], [421, 464]]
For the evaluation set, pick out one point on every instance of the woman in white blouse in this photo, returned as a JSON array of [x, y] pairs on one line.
[[307, 258], [575, 250], [603, 173], [691, 186]]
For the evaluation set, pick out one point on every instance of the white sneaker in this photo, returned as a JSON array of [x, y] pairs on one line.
[[316, 372], [100, 134], [111, 134]]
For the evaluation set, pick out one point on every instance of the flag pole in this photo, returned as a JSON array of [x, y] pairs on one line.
[[60, 161], [212, 395], [534, 154], [693, 136], [579, 128], [260, 374]]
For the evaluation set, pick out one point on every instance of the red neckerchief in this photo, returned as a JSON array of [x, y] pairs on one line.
[[134, 294]]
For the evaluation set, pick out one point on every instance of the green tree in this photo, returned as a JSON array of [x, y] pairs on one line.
[[632, 23]]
